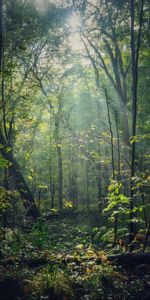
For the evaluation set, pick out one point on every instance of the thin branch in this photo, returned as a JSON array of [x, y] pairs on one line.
[[103, 65]]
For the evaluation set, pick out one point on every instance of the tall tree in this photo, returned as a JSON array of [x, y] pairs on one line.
[[135, 47], [20, 183], [102, 24]]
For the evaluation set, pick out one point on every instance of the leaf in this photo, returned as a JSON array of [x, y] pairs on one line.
[[8, 149], [79, 247], [27, 156], [4, 163], [29, 178], [69, 204], [43, 186]]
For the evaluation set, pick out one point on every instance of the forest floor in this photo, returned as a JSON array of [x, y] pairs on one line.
[[65, 259]]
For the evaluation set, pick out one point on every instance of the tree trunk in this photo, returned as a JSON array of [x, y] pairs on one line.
[[58, 118], [135, 56], [14, 170], [51, 179], [1, 34], [87, 186], [60, 178], [113, 165], [20, 183], [147, 235], [111, 136], [118, 147]]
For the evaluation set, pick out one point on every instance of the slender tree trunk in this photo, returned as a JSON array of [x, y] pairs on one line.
[[144, 208], [1, 33], [75, 191], [60, 172], [51, 182], [118, 147], [60, 178], [147, 235], [99, 152], [111, 136], [6, 186], [52, 192], [134, 111], [135, 58], [59, 153], [87, 186], [69, 173], [125, 128], [99, 183], [119, 177], [99, 169], [113, 164]]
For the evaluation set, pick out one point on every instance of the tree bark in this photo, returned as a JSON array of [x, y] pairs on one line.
[[51, 179], [60, 178], [118, 147], [20, 183], [59, 152], [87, 186], [134, 64], [147, 235], [1, 34], [111, 136]]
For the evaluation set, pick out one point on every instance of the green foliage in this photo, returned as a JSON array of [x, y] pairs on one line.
[[5, 200], [4, 163], [39, 235], [117, 202], [72, 270]]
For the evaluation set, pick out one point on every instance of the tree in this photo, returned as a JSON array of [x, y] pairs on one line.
[[135, 48], [107, 48], [6, 150]]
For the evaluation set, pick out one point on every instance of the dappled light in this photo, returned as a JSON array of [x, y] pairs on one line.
[[74, 150]]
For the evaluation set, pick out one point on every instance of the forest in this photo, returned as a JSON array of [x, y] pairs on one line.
[[74, 149]]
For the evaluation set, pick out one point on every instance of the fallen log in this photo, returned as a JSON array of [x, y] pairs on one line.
[[130, 259]]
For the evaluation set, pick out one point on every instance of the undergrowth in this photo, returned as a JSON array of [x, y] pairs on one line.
[[62, 260]]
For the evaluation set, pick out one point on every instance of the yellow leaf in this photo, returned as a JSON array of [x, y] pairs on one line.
[[79, 247]]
